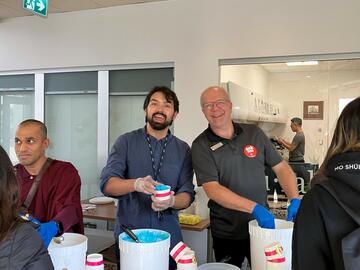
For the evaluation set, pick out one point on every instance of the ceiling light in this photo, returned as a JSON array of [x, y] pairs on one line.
[[302, 63]]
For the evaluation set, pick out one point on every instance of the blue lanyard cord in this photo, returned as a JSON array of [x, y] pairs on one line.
[[157, 172]]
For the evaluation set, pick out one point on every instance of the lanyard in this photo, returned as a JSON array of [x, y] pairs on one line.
[[156, 172]]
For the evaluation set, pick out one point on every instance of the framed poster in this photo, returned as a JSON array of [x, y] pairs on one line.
[[313, 110]]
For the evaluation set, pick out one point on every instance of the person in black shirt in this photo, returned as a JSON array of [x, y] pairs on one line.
[[327, 227], [229, 161]]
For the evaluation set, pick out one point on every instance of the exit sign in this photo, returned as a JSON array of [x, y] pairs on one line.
[[37, 6]]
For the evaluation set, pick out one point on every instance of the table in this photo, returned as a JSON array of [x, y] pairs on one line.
[[101, 212], [107, 212]]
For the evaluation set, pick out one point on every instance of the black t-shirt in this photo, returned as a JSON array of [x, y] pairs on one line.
[[239, 165]]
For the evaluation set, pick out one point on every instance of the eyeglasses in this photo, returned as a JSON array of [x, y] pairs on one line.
[[221, 103]]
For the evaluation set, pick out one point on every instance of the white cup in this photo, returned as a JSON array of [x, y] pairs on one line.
[[179, 250], [94, 262], [162, 192], [187, 261]]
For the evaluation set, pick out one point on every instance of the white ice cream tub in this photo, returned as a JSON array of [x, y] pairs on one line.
[[145, 255], [260, 238], [70, 254]]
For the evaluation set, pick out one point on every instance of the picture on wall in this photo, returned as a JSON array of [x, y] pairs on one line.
[[313, 110]]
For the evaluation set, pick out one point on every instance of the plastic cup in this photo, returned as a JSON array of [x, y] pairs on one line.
[[163, 192], [179, 250], [187, 261], [94, 262]]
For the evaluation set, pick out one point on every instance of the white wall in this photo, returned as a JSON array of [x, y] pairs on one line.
[[252, 77], [292, 89], [194, 34]]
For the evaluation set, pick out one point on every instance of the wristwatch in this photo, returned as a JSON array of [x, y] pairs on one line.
[[60, 228]]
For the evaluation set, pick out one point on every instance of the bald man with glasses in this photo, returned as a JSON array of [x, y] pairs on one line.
[[229, 161]]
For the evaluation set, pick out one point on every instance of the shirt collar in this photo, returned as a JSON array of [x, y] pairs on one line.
[[212, 137], [23, 173]]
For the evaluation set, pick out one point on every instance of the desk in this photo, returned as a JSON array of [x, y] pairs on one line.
[[107, 212]]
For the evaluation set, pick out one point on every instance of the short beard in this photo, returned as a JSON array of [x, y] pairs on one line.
[[158, 126]]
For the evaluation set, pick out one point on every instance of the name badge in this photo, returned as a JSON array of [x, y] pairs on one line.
[[216, 146]]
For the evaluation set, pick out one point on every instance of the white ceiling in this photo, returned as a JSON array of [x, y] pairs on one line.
[[14, 8]]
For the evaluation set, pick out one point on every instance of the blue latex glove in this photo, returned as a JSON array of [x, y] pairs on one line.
[[264, 217], [47, 231], [293, 209]]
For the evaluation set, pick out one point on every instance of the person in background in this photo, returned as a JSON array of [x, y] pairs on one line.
[[327, 228], [50, 189], [20, 245], [229, 162], [297, 146], [144, 158]]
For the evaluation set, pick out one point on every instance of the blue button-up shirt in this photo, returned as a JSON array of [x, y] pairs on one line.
[[130, 158]]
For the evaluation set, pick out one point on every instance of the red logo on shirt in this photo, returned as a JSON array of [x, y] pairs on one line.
[[250, 151]]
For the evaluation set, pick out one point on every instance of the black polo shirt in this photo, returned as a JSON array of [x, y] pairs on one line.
[[239, 165]]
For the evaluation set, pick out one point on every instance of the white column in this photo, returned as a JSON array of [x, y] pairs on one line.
[[39, 97], [103, 119]]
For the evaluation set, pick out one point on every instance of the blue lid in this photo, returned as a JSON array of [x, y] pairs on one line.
[[161, 187]]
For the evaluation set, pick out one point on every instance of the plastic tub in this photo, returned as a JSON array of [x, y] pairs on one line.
[[70, 253], [260, 238], [146, 255], [218, 266]]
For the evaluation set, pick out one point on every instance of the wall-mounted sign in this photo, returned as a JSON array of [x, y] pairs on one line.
[[36, 6]]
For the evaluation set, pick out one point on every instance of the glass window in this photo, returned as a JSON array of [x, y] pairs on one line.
[[139, 80], [315, 91], [128, 89], [16, 105], [126, 114], [71, 118]]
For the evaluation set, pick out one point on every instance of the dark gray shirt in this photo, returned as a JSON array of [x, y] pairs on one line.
[[24, 250], [239, 165], [298, 153]]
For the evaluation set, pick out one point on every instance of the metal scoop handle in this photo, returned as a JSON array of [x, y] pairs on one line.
[[130, 233]]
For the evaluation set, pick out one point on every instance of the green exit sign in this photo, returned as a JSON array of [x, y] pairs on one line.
[[37, 6]]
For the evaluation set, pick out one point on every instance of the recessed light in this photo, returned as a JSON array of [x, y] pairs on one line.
[[302, 63]]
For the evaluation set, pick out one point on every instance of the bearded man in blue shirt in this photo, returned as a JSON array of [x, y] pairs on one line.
[[144, 158]]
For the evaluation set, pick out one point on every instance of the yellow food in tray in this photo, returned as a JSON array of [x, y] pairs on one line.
[[189, 219]]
